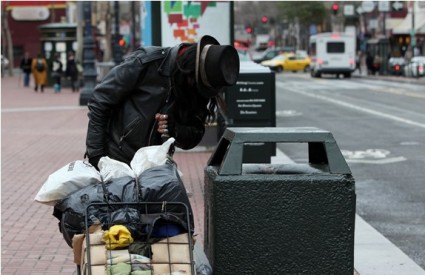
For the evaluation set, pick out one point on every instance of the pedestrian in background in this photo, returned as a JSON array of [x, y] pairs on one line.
[[39, 71], [26, 62], [376, 64], [369, 64], [72, 72], [358, 62], [57, 68]]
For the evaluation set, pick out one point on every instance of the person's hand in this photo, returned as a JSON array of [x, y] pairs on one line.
[[95, 161], [162, 120]]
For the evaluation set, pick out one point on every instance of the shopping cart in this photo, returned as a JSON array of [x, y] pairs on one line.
[[161, 238]]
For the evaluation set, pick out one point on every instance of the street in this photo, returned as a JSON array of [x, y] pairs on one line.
[[380, 128]]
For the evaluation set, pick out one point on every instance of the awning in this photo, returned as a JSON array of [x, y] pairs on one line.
[[405, 26]]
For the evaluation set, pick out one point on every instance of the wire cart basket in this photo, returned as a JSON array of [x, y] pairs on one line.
[[137, 238]]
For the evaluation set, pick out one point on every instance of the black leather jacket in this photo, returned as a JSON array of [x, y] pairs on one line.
[[122, 107]]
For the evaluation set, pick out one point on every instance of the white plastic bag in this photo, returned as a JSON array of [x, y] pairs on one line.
[[113, 169], [202, 265], [72, 177], [150, 156]]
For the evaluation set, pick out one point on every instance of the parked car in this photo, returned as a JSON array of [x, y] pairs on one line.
[[288, 62], [415, 67], [396, 65], [4, 62], [273, 52], [4, 65]]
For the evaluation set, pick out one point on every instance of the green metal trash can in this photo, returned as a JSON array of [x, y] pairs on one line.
[[279, 218]]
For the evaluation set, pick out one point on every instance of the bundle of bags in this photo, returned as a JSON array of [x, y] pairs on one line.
[[151, 177]]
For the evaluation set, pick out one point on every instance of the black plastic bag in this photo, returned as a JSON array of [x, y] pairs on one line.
[[158, 184]]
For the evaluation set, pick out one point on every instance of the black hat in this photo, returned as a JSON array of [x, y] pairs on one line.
[[216, 66]]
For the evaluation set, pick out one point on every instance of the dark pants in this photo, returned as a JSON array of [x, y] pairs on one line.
[[26, 79], [57, 82]]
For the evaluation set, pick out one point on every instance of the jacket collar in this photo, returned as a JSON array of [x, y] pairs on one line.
[[167, 66]]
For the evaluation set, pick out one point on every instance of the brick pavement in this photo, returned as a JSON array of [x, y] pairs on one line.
[[40, 133]]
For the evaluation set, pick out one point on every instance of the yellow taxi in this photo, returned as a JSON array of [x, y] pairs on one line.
[[288, 62]]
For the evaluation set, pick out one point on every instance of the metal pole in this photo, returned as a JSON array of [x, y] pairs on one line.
[[133, 26], [412, 35], [116, 48], [89, 73]]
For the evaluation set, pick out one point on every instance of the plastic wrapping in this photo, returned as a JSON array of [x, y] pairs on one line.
[[66, 180]]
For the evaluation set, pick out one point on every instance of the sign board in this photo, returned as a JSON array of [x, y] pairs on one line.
[[187, 21], [373, 23], [368, 6], [251, 100], [30, 13], [397, 5], [348, 10], [384, 6]]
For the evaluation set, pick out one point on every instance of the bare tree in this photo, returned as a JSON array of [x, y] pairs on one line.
[[7, 37]]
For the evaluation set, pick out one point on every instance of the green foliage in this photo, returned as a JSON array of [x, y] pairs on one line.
[[307, 12]]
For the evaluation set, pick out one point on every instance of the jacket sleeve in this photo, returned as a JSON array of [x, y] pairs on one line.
[[107, 95]]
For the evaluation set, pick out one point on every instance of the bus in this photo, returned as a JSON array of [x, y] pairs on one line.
[[332, 53]]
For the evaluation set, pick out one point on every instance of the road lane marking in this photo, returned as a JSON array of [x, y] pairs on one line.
[[371, 156], [352, 106], [376, 161], [397, 92]]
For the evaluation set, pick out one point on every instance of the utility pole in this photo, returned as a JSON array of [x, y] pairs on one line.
[[89, 73]]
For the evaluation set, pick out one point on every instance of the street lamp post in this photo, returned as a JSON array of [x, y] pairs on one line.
[[116, 49], [89, 73]]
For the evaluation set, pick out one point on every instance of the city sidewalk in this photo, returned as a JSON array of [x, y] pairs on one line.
[[42, 132], [392, 78]]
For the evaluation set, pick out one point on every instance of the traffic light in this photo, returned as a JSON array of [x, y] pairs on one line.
[[264, 19], [121, 42], [248, 29], [335, 8]]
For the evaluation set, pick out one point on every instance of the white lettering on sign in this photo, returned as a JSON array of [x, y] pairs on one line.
[[250, 105], [249, 83], [251, 100], [371, 156], [248, 90], [242, 112]]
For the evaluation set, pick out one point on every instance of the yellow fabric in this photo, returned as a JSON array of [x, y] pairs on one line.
[[117, 236]]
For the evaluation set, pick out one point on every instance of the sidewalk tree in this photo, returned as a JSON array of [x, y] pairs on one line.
[[106, 17], [305, 13]]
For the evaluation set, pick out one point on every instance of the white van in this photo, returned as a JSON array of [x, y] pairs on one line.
[[332, 53]]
